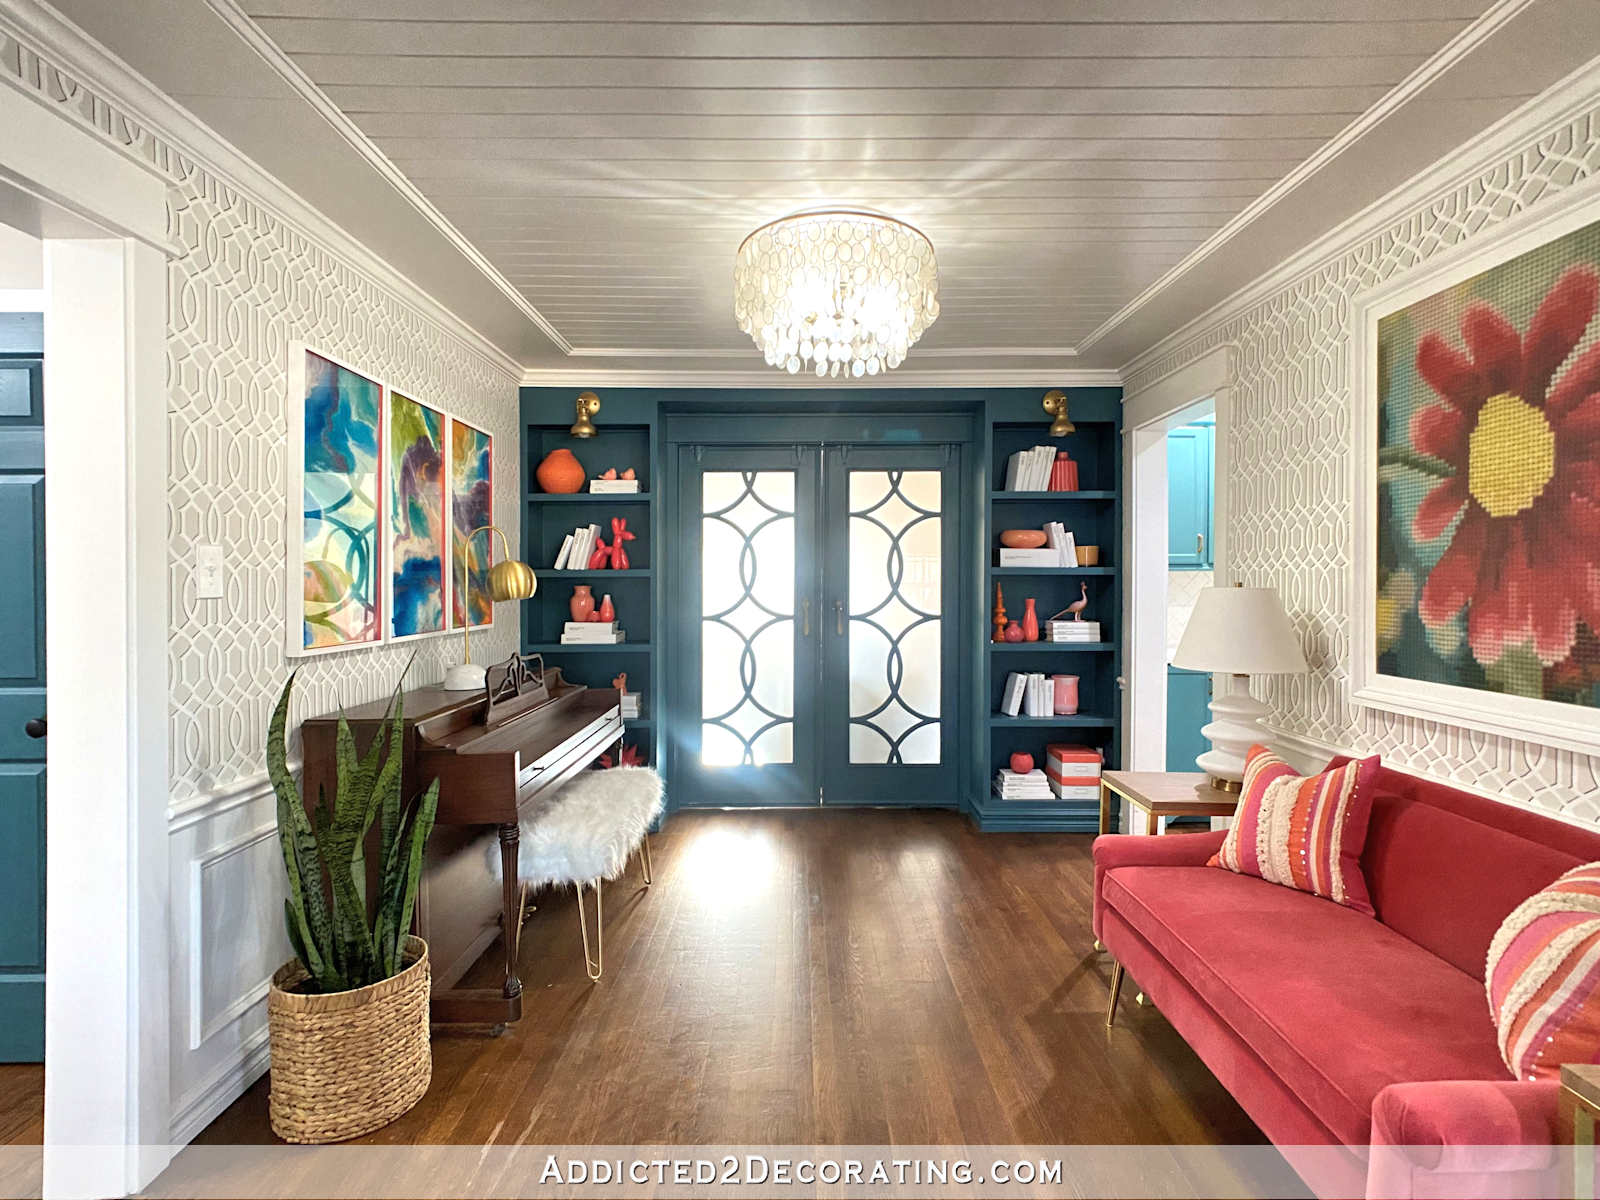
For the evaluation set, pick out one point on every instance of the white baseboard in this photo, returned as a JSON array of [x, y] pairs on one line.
[[193, 1112]]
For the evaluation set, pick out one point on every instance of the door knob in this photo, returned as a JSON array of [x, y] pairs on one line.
[[35, 728]]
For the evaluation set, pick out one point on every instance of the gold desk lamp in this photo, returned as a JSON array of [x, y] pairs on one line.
[[509, 579]]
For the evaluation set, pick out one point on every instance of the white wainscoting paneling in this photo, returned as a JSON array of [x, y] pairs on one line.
[[227, 917]]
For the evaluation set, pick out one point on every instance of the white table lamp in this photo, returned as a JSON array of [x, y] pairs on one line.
[[1241, 631]]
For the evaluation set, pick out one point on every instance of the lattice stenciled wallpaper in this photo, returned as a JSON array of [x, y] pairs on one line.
[[245, 284], [1289, 502]]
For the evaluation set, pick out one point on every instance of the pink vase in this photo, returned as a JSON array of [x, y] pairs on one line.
[[1066, 687], [1030, 621], [608, 611], [1064, 474], [582, 602], [1013, 632]]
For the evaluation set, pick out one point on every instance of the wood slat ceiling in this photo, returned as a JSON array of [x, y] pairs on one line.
[[609, 155]]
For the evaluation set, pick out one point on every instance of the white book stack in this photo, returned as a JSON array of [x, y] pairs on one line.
[[1044, 556], [576, 548], [1072, 631], [1029, 470], [613, 487], [1008, 785], [630, 706], [591, 633], [1061, 544], [1028, 694]]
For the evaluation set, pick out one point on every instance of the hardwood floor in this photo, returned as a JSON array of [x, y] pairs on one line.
[[826, 976], [21, 1104]]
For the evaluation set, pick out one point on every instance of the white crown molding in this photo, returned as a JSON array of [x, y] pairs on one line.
[[724, 352], [768, 378], [48, 32], [251, 34], [1457, 48], [1559, 104]]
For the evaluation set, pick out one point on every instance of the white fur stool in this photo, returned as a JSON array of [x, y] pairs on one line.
[[585, 833]]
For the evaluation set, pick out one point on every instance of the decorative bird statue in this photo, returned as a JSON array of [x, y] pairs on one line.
[[1077, 606]]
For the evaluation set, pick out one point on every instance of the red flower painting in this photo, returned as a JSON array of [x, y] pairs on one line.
[[1524, 445]]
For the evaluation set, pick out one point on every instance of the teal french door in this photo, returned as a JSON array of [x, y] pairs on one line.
[[815, 607]]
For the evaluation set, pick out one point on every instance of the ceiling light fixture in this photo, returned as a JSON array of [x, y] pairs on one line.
[[835, 291]]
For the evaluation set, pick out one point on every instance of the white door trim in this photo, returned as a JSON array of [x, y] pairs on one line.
[[1146, 417], [107, 1067]]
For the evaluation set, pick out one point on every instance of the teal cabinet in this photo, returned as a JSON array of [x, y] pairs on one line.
[[1189, 489], [1188, 694]]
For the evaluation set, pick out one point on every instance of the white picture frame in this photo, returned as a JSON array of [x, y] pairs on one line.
[[445, 418], [294, 506], [453, 575], [1547, 722]]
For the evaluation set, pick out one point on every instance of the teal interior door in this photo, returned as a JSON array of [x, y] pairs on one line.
[[22, 706], [815, 620], [889, 642]]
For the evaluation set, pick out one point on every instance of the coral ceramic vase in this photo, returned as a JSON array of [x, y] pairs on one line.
[[582, 602], [1013, 632], [1030, 621], [608, 611], [1063, 473], [1021, 763], [1066, 698], [560, 472]]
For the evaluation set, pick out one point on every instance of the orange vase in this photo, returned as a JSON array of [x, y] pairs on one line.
[[560, 472]]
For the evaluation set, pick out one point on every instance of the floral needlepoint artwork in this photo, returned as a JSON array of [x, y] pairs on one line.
[[1488, 480]]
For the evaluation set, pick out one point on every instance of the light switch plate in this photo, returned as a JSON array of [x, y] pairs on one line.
[[208, 572]]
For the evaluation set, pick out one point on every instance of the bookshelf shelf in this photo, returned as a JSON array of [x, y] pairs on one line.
[[597, 573], [589, 497], [1052, 647], [1021, 572], [1052, 497], [1080, 720], [582, 648]]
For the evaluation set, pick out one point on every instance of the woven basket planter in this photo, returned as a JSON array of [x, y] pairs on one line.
[[346, 1063]]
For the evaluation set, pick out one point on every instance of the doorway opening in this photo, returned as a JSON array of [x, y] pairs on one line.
[[1175, 457], [23, 724]]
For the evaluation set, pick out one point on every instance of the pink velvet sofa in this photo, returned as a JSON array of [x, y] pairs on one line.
[[1335, 1030]]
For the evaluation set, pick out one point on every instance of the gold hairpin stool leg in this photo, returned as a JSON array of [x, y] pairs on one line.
[[644, 858], [1116, 993], [594, 963]]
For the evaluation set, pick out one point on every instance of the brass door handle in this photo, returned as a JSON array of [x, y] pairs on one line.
[[1200, 544], [838, 616], [805, 617]]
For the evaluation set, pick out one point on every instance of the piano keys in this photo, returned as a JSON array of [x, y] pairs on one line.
[[496, 754]]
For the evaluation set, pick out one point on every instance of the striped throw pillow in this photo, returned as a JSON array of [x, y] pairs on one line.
[[1305, 832], [1543, 977]]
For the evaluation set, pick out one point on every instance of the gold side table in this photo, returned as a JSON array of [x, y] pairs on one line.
[[1163, 794], [1580, 1105]]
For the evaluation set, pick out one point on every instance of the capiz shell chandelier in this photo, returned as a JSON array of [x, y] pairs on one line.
[[836, 291]]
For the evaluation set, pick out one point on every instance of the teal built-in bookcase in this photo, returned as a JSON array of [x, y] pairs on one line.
[[995, 422]]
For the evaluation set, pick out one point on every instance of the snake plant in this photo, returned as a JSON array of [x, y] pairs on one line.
[[341, 941]]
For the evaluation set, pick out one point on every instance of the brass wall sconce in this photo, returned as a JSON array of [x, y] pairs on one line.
[[1055, 403], [509, 579], [588, 405]]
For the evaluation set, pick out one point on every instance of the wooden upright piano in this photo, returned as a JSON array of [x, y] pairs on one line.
[[496, 754]]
